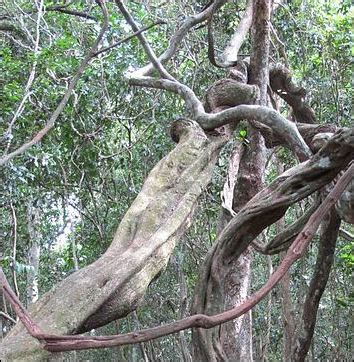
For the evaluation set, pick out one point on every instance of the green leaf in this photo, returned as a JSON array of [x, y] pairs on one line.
[[242, 133]]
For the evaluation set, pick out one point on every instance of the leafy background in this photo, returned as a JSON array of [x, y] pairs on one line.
[[83, 176]]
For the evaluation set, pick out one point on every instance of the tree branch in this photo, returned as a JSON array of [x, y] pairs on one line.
[[64, 9], [341, 153], [346, 235], [6, 316], [282, 84], [231, 51], [282, 240], [285, 130], [102, 50], [27, 92], [306, 326], [178, 37], [149, 51], [50, 124], [71, 12], [31, 327]]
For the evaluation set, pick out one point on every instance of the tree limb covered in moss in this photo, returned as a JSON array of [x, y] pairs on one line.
[[115, 283], [265, 208]]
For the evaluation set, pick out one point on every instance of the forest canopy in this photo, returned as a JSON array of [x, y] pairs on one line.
[[177, 180]]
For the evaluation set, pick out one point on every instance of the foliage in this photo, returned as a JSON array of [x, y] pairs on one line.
[[85, 173]]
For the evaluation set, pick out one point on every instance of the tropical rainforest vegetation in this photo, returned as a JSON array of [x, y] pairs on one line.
[[176, 180]]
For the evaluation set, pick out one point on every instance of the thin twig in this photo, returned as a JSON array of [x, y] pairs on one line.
[[14, 247], [346, 235], [56, 343], [64, 9], [30, 80], [72, 12], [178, 37], [149, 51], [51, 122], [128, 37], [16, 41], [282, 47], [6, 316]]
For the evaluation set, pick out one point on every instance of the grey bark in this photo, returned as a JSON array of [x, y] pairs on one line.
[[306, 324], [113, 285], [233, 340], [33, 252], [290, 187]]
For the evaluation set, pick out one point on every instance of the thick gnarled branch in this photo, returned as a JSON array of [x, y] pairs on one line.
[[140, 249], [282, 240], [325, 257], [56, 343], [285, 130], [282, 84]]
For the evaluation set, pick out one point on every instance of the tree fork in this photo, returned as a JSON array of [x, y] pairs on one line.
[[113, 285], [296, 251]]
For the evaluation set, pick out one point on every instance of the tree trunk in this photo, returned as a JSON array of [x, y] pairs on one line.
[[287, 315], [249, 182], [113, 286], [285, 295], [233, 340], [33, 253], [306, 325]]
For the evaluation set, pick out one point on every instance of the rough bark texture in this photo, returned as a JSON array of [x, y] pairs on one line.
[[33, 253], [282, 84], [233, 340], [345, 206], [287, 315], [259, 62], [286, 302], [252, 219], [244, 179], [242, 184], [236, 336], [113, 285], [310, 176], [228, 93], [306, 326], [264, 209]]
